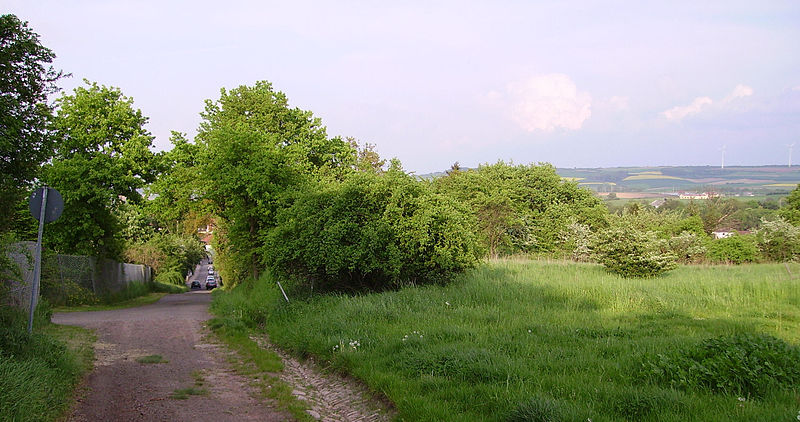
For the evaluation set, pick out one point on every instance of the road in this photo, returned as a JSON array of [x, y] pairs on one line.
[[122, 389]]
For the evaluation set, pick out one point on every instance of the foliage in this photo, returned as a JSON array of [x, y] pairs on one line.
[[736, 249], [688, 247], [167, 252], [745, 365], [630, 252], [176, 197], [170, 278], [778, 240], [577, 240], [372, 231], [26, 81], [523, 208], [791, 208], [102, 157], [253, 149]]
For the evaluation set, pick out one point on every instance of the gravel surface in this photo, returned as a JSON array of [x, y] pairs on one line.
[[122, 389]]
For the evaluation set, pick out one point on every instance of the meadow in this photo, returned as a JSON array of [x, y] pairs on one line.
[[539, 340]]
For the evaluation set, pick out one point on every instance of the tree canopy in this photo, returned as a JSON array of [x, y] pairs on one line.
[[102, 158], [26, 79]]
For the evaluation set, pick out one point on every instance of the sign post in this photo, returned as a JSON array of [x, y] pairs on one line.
[[45, 212]]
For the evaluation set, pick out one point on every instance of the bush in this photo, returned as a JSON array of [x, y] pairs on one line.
[[629, 252], [688, 247], [735, 249], [372, 232], [778, 240], [744, 365]]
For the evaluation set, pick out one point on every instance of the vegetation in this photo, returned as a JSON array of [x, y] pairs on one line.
[[550, 341], [372, 232], [25, 140], [39, 371]]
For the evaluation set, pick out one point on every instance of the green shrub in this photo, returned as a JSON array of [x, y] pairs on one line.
[[629, 252], [735, 249], [372, 232], [778, 240], [688, 247], [744, 365]]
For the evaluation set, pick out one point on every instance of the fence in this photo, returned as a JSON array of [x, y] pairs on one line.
[[66, 277]]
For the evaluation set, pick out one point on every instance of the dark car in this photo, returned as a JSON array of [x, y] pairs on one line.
[[195, 284], [211, 282]]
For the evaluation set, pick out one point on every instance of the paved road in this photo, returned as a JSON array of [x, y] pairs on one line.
[[121, 389]]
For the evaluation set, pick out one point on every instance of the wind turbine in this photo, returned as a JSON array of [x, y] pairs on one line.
[[791, 146], [722, 167]]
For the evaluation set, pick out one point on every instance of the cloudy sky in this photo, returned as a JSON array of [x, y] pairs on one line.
[[573, 83]]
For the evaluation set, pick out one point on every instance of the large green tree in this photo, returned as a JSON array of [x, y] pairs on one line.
[[26, 79], [254, 148], [522, 208], [102, 158], [176, 197]]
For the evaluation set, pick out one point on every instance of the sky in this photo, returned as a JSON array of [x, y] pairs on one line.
[[571, 83]]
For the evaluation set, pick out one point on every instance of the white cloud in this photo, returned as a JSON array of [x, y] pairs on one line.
[[739, 92], [679, 112], [548, 102], [796, 88], [702, 103]]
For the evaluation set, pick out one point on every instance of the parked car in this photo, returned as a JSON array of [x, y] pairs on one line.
[[210, 269], [211, 282], [195, 284]]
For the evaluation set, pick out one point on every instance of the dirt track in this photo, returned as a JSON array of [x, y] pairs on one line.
[[122, 389]]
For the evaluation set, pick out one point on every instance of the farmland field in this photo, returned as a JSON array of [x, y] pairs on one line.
[[759, 179], [533, 339]]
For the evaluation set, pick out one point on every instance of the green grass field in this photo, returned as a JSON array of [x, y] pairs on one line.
[[530, 340]]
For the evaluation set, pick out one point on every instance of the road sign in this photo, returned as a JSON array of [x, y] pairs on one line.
[[46, 205], [52, 208]]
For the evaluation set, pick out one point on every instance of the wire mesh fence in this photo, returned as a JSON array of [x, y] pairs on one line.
[[71, 279]]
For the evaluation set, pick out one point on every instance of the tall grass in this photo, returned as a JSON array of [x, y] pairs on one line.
[[537, 340], [39, 371]]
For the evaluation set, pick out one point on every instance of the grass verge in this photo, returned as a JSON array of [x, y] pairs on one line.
[[543, 340], [130, 303], [39, 371], [259, 365]]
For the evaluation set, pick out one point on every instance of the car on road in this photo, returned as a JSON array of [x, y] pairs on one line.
[[211, 270], [211, 282], [195, 284]]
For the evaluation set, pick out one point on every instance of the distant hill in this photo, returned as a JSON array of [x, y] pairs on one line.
[[739, 179], [758, 180]]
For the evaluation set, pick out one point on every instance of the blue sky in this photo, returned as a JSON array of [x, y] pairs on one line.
[[576, 84]]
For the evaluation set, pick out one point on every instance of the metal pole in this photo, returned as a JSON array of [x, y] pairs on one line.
[[37, 263], [284, 293]]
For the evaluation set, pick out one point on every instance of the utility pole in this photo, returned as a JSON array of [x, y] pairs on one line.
[[722, 166]]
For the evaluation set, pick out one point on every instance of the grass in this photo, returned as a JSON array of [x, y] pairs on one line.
[[147, 299], [134, 295], [151, 359], [258, 364], [542, 340], [184, 393], [39, 371]]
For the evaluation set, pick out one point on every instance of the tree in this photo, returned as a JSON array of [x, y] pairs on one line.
[[102, 158], [26, 79], [791, 208], [254, 148], [175, 199], [523, 208]]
